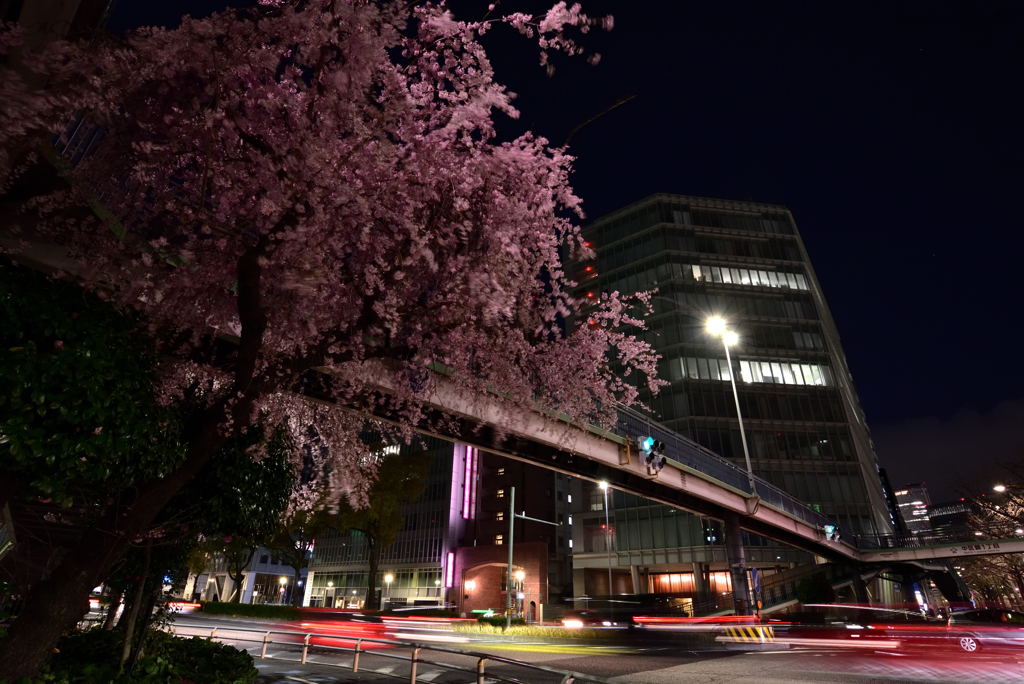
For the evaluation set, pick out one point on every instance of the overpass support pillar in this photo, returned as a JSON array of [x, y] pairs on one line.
[[634, 574], [700, 580], [737, 564]]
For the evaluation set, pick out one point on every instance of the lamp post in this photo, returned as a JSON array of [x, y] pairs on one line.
[[603, 485], [388, 579], [716, 326], [283, 581]]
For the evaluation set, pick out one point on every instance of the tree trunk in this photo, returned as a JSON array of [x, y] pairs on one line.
[[297, 591], [143, 623], [236, 583], [56, 604], [115, 603], [373, 559], [129, 629]]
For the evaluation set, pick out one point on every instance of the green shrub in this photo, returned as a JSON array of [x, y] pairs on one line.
[[203, 660], [251, 610], [93, 656]]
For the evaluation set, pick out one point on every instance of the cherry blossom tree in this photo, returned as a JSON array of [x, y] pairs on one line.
[[297, 196]]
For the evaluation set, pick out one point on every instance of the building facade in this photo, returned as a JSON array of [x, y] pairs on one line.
[[452, 550], [744, 262], [914, 502]]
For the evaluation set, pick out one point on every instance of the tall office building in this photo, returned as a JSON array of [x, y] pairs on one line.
[[914, 504], [745, 262]]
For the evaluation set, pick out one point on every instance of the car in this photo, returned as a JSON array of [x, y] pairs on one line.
[[858, 626], [987, 629], [605, 618]]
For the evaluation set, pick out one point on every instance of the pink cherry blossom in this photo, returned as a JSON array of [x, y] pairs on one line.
[[322, 184]]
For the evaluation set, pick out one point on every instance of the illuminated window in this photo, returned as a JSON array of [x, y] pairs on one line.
[[499, 539], [785, 373], [499, 516], [501, 494], [746, 276], [501, 471]]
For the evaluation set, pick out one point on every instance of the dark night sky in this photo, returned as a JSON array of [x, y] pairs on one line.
[[891, 129]]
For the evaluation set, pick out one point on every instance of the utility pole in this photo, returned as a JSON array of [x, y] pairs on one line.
[[512, 515]]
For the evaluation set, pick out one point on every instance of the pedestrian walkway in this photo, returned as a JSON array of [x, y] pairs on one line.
[[281, 671]]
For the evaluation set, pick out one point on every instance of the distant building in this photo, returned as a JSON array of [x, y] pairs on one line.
[[913, 504], [950, 517], [266, 579]]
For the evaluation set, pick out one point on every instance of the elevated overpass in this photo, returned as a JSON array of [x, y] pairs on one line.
[[694, 479], [975, 541]]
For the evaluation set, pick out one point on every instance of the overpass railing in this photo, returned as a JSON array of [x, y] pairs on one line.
[[683, 451], [908, 540]]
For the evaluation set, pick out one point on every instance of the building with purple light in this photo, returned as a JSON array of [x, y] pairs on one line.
[[452, 549]]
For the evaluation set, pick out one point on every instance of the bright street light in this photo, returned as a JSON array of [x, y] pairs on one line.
[[520, 575], [719, 327], [999, 488], [388, 579], [283, 580], [602, 485], [716, 325]]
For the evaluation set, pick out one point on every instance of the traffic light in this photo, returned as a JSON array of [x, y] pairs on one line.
[[652, 453]]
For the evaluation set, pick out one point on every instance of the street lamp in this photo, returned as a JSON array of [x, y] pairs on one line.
[[283, 581], [388, 579], [999, 488], [603, 485], [716, 326]]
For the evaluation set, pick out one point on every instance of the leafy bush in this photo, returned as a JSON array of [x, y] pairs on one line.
[[250, 610], [203, 660], [93, 656]]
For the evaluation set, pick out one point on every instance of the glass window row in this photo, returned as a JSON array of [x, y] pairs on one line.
[[705, 400], [747, 276], [826, 443], [766, 222], [774, 372]]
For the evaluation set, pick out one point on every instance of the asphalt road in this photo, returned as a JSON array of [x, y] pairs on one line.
[[624, 664]]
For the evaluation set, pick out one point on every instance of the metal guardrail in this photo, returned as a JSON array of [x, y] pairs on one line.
[[478, 673], [682, 450]]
